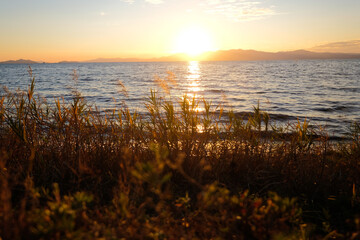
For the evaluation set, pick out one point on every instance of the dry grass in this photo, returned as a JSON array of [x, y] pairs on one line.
[[67, 172]]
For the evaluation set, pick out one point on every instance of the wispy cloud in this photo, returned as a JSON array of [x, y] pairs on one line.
[[239, 10], [154, 1], [128, 1], [148, 1], [352, 46]]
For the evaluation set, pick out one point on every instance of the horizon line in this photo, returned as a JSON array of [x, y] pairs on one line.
[[185, 57]]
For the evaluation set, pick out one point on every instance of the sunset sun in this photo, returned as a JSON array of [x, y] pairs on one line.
[[193, 41]]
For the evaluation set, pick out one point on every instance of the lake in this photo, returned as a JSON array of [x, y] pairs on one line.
[[326, 92]]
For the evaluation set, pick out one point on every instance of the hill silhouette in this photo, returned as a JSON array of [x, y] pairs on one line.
[[239, 55], [20, 61], [221, 55], [252, 55]]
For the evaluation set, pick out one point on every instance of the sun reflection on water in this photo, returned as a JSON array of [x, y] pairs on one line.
[[194, 88], [193, 78], [193, 70]]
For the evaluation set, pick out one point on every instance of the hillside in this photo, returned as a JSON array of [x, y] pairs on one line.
[[20, 61], [239, 55]]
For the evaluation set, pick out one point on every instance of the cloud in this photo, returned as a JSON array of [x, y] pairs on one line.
[[154, 1], [239, 10], [148, 1], [352, 46], [128, 1]]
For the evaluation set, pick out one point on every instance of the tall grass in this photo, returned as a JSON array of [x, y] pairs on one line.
[[69, 172]]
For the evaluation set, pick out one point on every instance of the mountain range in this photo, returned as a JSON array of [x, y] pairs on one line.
[[240, 55], [20, 61], [224, 55]]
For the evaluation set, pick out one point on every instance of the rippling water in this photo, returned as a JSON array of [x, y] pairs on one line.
[[325, 91]]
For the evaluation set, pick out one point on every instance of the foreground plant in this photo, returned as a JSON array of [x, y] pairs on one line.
[[68, 172]]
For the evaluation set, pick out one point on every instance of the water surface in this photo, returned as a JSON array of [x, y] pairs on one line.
[[327, 92]]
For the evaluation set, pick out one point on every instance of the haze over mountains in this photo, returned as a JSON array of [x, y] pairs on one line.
[[224, 55], [239, 55], [20, 61], [252, 55]]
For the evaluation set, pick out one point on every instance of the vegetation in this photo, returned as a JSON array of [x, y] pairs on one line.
[[67, 172]]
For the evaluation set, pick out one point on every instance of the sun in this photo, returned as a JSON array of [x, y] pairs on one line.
[[193, 41]]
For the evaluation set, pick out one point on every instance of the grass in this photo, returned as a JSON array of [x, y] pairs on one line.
[[67, 172]]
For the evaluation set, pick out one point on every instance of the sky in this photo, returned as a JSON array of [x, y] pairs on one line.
[[77, 30]]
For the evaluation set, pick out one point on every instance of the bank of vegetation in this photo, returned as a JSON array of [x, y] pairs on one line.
[[68, 172]]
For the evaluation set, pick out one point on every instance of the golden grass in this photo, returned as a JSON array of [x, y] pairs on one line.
[[67, 172]]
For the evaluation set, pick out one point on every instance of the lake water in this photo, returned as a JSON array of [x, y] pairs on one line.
[[326, 92]]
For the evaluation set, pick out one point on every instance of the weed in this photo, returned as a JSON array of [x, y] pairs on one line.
[[68, 172]]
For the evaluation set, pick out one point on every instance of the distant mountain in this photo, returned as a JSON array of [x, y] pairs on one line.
[[68, 62], [116, 60], [252, 55], [172, 58], [223, 55], [20, 61], [240, 55]]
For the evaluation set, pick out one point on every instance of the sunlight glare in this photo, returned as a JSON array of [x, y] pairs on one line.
[[193, 41]]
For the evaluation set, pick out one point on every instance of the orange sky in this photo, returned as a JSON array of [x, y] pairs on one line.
[[86, 29]]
